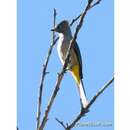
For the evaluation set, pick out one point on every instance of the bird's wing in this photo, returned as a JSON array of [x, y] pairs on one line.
[[79, 58]]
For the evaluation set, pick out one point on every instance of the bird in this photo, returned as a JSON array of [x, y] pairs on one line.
[[75, 62]]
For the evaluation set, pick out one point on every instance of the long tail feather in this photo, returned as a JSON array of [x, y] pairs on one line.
[[82, 94]]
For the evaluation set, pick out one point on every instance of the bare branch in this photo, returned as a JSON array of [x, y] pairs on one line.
[[54, 93], [85, 110], [96, 3], [44, 74], [60, 122], [61, 74], [56, 40], [75, 19]]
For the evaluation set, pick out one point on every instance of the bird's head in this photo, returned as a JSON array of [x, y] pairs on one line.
[[63, 27]]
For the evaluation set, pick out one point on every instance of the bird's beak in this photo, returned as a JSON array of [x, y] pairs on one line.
[[53, 29]]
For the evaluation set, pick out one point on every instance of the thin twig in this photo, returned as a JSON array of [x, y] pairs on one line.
[[61, 74], [96, 3], [61, 122], [44, 74], [56, 40], [75, 19]]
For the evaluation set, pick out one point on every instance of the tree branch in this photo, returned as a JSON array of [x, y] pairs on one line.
[[61, 74], [44, 73], [85, 110], [75, 19], [61, 123]]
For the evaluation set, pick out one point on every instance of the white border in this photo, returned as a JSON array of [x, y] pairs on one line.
[[122, 64], [7, 64]]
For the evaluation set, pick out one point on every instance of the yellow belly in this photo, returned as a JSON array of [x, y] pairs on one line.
[[75, 73]]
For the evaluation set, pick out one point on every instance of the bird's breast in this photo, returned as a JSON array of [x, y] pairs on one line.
[[62, 48]]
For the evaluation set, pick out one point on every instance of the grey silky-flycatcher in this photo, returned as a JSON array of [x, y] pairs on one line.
[[75, 63]]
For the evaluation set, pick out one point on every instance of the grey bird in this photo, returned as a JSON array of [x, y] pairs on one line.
[[75, 64]]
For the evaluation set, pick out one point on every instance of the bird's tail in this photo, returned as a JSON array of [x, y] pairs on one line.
[[82, 94]]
